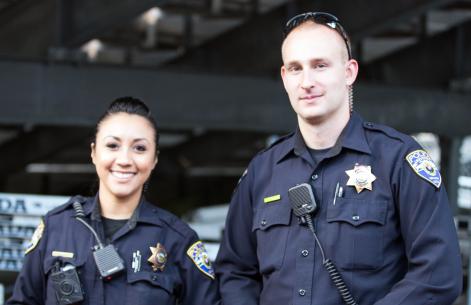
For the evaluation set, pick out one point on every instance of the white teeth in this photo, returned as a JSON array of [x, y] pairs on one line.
[[122, 175]]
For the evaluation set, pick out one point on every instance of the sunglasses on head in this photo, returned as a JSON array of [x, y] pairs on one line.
[[320, 18]]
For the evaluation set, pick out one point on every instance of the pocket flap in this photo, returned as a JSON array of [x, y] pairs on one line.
[[272, 215], [358, 212], [155, 279], [50, 262]]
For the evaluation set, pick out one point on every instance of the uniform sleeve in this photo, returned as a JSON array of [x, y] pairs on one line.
[[434, 265], [200, 286], [30, 285], [236, 264]]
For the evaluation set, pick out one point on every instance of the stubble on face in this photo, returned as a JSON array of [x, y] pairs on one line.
[[314, 72]]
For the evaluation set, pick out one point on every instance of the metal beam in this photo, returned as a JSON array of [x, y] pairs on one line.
[[86, 19], [433, 62], [36, 93], [37, 144], [35, 26], [254, 47]]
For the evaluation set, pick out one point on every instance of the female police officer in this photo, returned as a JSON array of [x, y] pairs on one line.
[[117, 248]]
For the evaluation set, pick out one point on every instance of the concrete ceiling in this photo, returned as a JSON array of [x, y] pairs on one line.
[[209, 69]]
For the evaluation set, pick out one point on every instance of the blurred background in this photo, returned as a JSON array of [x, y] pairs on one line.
[[209, 69]]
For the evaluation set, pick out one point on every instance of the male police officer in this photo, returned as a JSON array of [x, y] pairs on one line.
[[383, 216]]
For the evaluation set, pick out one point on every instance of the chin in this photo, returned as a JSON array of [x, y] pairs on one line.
[[123, 194]]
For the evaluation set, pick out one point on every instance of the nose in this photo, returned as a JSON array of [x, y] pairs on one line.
[[308, 79], [123, 158]]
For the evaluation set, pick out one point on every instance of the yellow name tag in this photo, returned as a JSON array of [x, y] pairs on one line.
[[271, 198], [62, 254]]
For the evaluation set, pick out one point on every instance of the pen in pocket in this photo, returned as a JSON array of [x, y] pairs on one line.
[[336, 192]]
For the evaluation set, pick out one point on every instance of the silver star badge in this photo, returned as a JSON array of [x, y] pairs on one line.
[[361, 177]]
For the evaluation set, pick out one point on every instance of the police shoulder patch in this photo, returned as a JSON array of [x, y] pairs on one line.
[[200, 258], [38, 233], [424, 166]]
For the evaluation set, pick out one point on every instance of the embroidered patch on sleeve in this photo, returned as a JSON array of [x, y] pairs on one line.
[[424, 167], [38, 233], [200, 258]]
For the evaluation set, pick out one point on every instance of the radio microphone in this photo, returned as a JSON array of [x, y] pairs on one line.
[[304, 206], [107, 259], [303, 202]]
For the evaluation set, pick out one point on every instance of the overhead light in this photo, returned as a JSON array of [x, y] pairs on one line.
[[92, 48], [214, 171], [56, 168], [152, 16]]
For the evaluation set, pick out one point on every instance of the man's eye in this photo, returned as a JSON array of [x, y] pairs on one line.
[[321, 66]]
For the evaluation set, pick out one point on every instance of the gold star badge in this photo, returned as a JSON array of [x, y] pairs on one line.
[[158, 259], [361, 177]]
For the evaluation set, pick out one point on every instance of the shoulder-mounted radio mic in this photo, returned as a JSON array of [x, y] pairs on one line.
[[304, 206], [303, 202], [107, 259]]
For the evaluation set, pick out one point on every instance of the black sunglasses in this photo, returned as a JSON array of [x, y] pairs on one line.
[[320, 18]]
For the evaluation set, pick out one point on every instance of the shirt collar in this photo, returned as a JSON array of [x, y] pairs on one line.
[[92, 208], [352, 137]]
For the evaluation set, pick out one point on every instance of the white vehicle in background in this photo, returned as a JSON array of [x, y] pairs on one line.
[[209, 223]]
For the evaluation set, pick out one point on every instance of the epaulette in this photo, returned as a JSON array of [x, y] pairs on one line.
[[388, 131], [66, 205], [174, 222], [277, 141]]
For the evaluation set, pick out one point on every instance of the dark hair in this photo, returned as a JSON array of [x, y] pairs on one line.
[[129, 105]]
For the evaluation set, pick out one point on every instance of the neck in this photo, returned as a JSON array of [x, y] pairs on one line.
[[323, 133], [118, 208]]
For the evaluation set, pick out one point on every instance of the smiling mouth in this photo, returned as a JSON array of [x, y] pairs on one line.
[[122, 175], [309, 97]]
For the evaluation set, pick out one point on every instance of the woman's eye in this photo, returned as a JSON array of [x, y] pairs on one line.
[[140, 148], [112, 145]]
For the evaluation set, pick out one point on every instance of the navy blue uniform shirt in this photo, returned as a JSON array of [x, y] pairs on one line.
[[180, 282], [393, 245]]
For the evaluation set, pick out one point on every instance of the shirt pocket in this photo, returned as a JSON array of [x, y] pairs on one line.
[[355, 232], [271, 226], [150, 288]]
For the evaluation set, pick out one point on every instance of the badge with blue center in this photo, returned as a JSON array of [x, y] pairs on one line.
[[200, 257], [424, 166]]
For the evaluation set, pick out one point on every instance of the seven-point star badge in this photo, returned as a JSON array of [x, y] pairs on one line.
[[158, 259], [361, 177]]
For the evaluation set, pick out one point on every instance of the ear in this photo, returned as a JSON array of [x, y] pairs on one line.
[[351, 71], [92, 152], [283, 75], [155, 161]]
